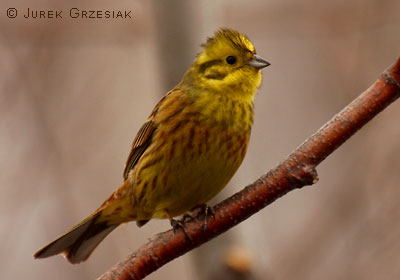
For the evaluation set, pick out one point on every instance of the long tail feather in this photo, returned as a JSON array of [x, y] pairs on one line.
[[78, 243]]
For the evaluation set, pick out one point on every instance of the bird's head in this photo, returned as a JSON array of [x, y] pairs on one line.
[[228, 61]]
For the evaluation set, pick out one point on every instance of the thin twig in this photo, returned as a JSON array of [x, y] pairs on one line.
[[296, 171]]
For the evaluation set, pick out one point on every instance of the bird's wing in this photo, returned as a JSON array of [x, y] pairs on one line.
[[139, 145], [143, 138]]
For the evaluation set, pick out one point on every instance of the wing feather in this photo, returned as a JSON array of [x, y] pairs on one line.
[[139, 145], [144, 136]]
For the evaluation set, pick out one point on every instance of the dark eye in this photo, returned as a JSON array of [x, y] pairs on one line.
[[231, 60]]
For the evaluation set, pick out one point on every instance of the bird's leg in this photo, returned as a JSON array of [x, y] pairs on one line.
[[187, 217], [206, 211], [176, 224]]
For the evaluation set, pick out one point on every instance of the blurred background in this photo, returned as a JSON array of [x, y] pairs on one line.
[[74, 92]]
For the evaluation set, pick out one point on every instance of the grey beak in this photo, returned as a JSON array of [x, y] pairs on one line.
[[258, 62]]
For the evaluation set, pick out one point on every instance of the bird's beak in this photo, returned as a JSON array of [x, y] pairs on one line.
[[258, 62]]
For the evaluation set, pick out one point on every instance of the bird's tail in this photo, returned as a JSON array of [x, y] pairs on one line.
[[78, 243]]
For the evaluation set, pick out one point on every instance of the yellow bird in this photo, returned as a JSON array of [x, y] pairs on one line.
[[188, 149]]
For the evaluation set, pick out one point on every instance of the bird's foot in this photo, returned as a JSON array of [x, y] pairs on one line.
[[187, 217], [206, 211], [179, 224]]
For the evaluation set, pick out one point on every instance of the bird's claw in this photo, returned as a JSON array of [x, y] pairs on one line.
[[180, 224], [206, 211]]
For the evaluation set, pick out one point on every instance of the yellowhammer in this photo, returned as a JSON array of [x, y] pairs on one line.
[[188, 149]]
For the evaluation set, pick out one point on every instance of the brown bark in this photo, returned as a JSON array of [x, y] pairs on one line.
[[296, 171]]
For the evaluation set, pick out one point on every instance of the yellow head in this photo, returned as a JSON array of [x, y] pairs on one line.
[[228, 63]]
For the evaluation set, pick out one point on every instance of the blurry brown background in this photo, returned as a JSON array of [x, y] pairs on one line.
[[74, 92]]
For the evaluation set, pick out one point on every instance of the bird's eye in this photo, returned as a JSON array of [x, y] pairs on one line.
[[231, 60]]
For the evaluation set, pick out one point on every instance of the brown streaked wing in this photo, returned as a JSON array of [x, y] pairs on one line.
[[139, 145], [143, 138]]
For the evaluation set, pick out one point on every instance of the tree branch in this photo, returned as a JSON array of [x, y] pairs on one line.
[[296, 171]]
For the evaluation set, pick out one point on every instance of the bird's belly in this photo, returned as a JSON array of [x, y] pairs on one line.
[[192, 172]]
